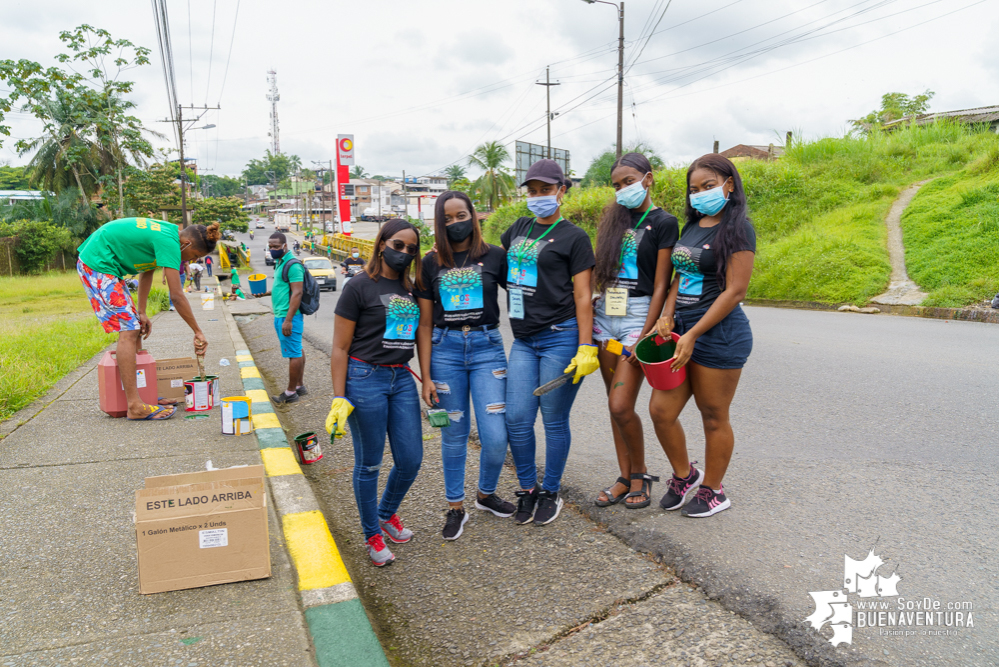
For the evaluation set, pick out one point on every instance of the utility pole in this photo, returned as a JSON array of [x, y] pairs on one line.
[[183, 187], [620, 82], [405, 199], [548, 94]]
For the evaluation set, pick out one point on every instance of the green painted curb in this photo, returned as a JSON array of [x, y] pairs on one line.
[[246, 364], [260, 407], [343, 636], [270, 437], [253, 383]]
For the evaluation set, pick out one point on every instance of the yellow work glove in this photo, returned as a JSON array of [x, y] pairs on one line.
[[337, 418], [585, 362]]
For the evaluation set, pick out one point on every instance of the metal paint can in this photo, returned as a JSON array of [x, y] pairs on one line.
[[307, 448], [198, 395], [237, 415], [216, 397]]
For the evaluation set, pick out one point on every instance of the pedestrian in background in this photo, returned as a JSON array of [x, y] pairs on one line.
[[374, 336], [208, 265], [548, 284], [183, 281], [714, 262], [631, 279], [195, 268], [461, 350]]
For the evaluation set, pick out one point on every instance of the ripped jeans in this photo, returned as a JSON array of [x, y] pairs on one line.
[[470, 362], [385, 401]]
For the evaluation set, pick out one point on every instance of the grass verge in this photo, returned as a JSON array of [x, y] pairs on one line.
[[47, 329]]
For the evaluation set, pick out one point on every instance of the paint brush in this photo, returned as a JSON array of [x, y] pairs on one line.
[[615, 347], [201, 366]]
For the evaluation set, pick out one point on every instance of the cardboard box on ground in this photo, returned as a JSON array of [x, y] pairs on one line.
[[170, 376], [203, 528]]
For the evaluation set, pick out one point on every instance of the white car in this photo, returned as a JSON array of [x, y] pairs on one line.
[[260, 225]]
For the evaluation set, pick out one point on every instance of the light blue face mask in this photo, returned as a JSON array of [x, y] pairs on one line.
[[632, 196], [709, 202], [544, 206]]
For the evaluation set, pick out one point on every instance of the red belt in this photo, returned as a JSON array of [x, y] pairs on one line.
[[406, 366]]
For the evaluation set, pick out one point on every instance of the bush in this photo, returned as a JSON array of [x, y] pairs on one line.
[[35, 242]]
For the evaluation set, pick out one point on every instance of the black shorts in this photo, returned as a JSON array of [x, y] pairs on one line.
[[725, 345]]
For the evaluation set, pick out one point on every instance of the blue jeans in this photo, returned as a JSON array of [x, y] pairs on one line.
[[472, 361], [385, 401], [183, 279], [534, 361]]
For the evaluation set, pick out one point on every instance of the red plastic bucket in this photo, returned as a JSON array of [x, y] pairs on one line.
[[655, 353]]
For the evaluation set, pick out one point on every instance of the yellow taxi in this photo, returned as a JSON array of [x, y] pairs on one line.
[[323, 271]]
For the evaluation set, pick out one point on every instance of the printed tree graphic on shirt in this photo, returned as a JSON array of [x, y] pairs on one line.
[[400, 308], [400, 318], [460, 280], [461, 289], [629, 256], [691, 279], [526, 266]]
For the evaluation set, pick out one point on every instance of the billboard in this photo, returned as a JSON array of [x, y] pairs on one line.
[[345, 149], [527, 154]]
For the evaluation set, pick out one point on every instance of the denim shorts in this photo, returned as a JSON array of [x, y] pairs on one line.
[[725, 345], [623, 328]]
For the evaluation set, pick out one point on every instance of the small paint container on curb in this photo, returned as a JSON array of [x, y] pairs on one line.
[[307, 448], [237, 416], [198, 395], [216, 389]]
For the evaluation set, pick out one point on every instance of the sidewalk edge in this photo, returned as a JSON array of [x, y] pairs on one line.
[[339, 627]]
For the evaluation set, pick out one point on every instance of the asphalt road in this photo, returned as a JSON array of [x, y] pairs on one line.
[[853, 432]]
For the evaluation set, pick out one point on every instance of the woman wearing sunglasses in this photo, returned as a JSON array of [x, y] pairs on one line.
[[548, 284], [373, 340], [463, 353]]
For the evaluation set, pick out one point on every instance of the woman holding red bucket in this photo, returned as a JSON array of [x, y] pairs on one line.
[[714, 262], [631, 279]]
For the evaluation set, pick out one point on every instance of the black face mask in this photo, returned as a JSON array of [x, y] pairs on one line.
[[459, 231], [397, 261]]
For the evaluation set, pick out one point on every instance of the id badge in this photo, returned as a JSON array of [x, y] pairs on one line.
[[616, 301], [516, 304]]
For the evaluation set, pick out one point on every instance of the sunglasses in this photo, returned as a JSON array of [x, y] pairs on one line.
[[399, 246]]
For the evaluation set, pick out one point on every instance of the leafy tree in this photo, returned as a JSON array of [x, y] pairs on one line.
[[13, 178], [35, 242], [281, 165], [379, 177], [148, 192], [228, 211], [495, 184], [221, 186], [599, 171], [893, 107], [358, 172], [454, 173], [64, 210]]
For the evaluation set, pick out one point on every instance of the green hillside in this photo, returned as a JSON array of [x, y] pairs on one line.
[[819, 214]]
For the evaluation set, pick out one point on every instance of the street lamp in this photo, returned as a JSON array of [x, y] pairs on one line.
[[620, 68]]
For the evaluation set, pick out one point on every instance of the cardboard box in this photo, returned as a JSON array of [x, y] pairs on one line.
[[170, 376], [203, 528]]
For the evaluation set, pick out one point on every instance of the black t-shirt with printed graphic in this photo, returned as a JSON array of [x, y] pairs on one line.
[[641, 247], [545, 272], [466, 294], [694, 259], [386, 316]]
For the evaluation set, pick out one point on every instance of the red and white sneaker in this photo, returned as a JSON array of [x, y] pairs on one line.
[[395, 531], [707, 502], [378, 552]]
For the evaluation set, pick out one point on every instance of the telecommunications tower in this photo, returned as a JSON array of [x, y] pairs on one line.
[[273, 96]]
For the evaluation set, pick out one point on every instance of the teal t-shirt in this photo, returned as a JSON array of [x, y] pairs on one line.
[[281, 292], [130, 246]]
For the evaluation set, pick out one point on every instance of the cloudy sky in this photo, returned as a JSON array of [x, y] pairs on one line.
[[421, 83]]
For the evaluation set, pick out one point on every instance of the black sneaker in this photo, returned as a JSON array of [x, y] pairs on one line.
[[549, 505], [525, 505], [302, 391], [707, 502], [681, 490], [456, 520], [495, 504], [285, 398]]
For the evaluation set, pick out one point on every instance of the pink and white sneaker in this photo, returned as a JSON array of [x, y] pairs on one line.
[[680, 490], [378, 552], [395, 531], [706, 502]]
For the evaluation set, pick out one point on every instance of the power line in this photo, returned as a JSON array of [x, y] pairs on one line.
[[229, 57], [211, 51], [162, 23], [190, 50], [642, 50]]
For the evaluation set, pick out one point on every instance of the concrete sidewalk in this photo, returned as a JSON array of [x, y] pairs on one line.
[[68, 578]]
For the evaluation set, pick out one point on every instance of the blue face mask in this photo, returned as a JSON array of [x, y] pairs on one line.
[[543, 207], [709, 202], [355, 255], [276, 254], [632, 196]]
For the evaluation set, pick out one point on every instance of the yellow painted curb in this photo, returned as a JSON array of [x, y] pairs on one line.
[[313, 550], [266, 420], [244, 357], [257, 396], [249, 372], [279, 461]]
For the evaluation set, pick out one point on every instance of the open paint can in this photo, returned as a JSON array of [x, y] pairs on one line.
[[308, 449], [237, 415], [198, 395], [216, 389]]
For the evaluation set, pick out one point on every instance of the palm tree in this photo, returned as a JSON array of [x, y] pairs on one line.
[[453, 173], [495, 184], [358, 172]]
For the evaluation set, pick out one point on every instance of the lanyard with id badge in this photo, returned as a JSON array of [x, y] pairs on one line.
[[616, 298], [516, 309]]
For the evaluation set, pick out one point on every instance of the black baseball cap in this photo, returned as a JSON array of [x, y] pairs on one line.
[[546, 171]]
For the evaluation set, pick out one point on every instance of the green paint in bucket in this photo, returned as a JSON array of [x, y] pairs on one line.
[[655, 353]]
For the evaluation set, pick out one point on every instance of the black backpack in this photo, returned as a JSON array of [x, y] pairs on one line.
[[310, 288]]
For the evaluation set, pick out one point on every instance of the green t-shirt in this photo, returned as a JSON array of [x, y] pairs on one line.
[[130, 246], [281, 292], [235, 278]]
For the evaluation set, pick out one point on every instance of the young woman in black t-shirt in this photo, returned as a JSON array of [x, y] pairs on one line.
[[631, 279], [373, 340], [461, 350], [714, 262]]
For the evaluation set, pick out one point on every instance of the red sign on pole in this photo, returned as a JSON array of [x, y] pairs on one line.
[[344, 158]]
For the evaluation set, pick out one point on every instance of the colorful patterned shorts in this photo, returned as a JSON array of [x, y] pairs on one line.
[[110, 299]]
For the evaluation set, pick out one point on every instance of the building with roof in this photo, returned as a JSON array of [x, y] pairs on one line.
[[10, 197], [980, 115], [753, 152]]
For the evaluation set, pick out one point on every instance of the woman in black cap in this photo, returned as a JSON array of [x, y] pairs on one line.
[[548, 284]]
